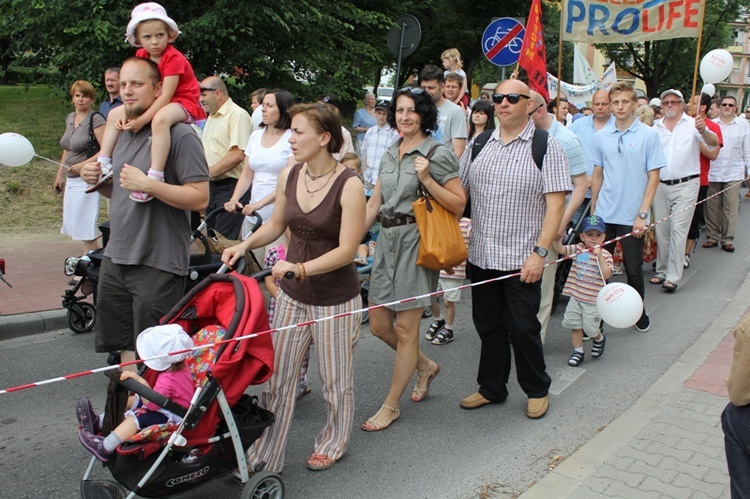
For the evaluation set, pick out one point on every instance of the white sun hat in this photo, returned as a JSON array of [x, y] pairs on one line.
[[161, 340], [147, 12]]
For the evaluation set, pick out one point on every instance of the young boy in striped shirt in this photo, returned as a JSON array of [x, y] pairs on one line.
[[592, 266]]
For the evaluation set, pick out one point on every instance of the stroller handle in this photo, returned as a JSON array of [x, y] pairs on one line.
[[147, 393]]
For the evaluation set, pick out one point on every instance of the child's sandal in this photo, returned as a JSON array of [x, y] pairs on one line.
[[597, 347], [576, 359]]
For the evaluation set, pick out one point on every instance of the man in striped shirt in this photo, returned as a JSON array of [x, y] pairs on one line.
[[516, 212]]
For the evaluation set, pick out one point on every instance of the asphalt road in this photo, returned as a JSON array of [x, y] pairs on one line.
[[435, 449]]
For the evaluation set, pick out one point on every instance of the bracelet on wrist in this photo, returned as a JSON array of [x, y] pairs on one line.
[[302, 272]]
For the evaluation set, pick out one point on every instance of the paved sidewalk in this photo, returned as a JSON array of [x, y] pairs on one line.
[[34, 267], [669, 444]]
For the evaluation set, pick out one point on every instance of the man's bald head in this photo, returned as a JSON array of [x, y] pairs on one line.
[[512, 86], [537, 99]]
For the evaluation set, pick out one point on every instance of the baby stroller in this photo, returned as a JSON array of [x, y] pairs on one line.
[[81, 315], [221, 422]]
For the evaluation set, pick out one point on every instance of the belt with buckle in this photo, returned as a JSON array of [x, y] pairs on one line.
[[387, 223], [679, 180]]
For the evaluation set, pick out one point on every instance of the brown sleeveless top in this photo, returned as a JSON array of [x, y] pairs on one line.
[[314, 234]]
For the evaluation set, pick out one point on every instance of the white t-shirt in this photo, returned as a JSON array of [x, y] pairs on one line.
[[266, 163]]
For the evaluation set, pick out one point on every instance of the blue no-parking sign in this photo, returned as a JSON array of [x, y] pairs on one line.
[[502, 40]]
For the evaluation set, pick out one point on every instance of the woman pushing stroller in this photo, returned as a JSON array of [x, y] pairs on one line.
[[323, 204], [174, 382]]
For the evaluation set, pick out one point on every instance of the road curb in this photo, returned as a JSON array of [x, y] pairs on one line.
[[15, 326], [565, 479]]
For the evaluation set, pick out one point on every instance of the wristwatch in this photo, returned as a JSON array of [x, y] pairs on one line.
[[643, 215], [541, 251]]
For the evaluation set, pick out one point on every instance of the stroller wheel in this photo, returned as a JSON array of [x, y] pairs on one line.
[[101, 489], [82, 323], [264, 485]]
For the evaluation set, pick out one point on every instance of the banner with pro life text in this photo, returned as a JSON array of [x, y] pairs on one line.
[[621, 21]]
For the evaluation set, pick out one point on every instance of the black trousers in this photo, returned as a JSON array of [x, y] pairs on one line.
[[227, 224], [735, 421], [698, 218], [632, 255], [504, 314]]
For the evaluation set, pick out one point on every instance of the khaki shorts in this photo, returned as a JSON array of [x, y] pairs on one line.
[[582, 315], [449, 286]]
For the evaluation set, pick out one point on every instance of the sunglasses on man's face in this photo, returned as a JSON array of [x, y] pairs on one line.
[[727, 104], [512, 98]]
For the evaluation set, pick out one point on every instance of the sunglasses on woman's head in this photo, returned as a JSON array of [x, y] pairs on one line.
[[411, 90], [512, 98]]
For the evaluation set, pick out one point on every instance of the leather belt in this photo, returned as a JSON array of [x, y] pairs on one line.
[[225, 181], [387, 223], [679, 180]]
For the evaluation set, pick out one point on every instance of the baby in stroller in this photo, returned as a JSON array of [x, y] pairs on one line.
[[174, 381]]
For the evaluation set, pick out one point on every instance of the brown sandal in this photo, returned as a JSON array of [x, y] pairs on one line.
[[418, 395], [372, 425]]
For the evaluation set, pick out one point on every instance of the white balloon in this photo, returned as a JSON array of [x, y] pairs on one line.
[[708, 89], [716, 66], [619, 305], [257, 117], [15, 149]]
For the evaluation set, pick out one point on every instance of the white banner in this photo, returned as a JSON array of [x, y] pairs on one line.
[[581, 94], [621, 21], [582, 72]]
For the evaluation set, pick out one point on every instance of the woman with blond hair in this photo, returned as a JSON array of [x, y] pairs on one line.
[[645, 115]]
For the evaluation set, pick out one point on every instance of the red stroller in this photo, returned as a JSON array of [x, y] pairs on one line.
[[221, 422]]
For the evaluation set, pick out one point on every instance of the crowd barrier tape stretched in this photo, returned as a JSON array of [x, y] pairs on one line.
[[345, 314]]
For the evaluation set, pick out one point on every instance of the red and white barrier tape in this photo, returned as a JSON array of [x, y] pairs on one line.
[[337, 316]]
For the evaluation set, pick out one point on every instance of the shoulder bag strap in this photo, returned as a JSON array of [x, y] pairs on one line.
[[422, 190]]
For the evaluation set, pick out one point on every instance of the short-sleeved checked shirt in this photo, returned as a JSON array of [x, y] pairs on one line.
[[507, 197], [377, 141]]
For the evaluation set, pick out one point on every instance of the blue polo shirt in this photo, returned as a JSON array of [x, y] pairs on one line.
[[571, 147], [626, 158], [585, 131]]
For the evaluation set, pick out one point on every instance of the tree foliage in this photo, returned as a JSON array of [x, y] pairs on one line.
[[309, 47]]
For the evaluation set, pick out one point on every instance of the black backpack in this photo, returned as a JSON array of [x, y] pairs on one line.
[[538, 151]]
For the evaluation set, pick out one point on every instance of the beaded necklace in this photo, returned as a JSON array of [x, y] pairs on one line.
[[316, 177]]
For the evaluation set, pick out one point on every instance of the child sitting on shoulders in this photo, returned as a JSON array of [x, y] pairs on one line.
[[592, 266], [151, 29], [175, 381]]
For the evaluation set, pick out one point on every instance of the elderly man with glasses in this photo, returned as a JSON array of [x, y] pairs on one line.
[[627, 158], [681, 137], [225, 137], [727, 171], [516, 212]]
